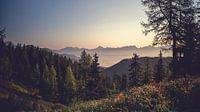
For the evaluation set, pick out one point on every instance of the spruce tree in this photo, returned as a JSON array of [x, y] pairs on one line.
[[35, 76], [95, 72], [134, 75], [159, 69], [5, 68], [93, 79], [49, 83], [70, 79], [83, 72], [147, 72], [53, 82], [85, 64], [70, 86]]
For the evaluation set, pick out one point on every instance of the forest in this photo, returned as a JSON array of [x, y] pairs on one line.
[[36, 79]]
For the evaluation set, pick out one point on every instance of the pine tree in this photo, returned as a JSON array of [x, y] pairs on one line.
[[5, 68], [159, 69], [35, 76], [49, 83], [70, 79], [83, 72], [70, 86], [93, 79], [5, 62], [147, 73], [95, 72], [85, 64], [134, 75], [53, 82]]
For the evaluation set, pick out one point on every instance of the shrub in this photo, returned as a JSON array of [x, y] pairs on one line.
[[147, 98], [184, 94]]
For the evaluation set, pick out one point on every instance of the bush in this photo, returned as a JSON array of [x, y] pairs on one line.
[[184, 94], [146, 98]]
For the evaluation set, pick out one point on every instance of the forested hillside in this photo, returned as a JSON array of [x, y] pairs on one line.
[[36, 79], [53, 77], [123, 66]]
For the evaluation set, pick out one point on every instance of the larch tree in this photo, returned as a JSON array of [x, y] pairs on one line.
[[70, 86], [166, 19]]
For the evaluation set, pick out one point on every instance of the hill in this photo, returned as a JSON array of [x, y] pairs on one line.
[[71, 56], [123, 66], [14, 97]]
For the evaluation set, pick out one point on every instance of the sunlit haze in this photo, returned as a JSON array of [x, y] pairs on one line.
[[75, 23]]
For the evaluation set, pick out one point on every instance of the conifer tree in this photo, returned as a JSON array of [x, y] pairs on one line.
[[93, 79], [175, 23], [134, 75], [70, 79], [70, 86], [95, 72], [5, 62], [5, 68], [85, 64], [159, 69], [49, 83], [147, 72], [83, 72], [35, 77]]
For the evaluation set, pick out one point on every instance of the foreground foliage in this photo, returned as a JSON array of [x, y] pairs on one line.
[[179, 95]]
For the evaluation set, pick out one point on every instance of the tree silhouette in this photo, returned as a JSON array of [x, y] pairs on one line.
[[147, 73], [167, 19], [159, 69], [134, 75]]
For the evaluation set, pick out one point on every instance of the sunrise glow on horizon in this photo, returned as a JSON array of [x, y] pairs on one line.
[[81, 23]]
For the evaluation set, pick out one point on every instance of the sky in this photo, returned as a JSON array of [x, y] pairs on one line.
[[74, 23]]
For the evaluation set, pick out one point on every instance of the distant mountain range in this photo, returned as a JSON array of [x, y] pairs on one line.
[[123, 66], [109, 56]]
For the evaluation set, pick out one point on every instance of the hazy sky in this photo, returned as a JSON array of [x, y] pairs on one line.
[[77, 23]]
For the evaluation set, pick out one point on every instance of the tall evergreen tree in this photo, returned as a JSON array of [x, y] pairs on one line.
[[95, 72], [134, 75], [147, 73], [70, 86], [49, 83], [53, 82], [5, 62], [83, 72], [5, 68], [93, 79], [70, 79], [159, 69], [85, 64], [168, 19], [35, 76]]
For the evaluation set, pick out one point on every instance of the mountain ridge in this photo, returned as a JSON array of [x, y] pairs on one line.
[[109, 56], [122, 67]]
